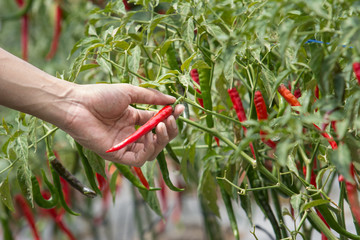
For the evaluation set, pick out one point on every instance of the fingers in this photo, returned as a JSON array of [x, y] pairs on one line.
[[148, 96], [150, 145]]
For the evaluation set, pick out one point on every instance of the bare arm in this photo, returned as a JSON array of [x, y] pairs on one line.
[[97, 116]]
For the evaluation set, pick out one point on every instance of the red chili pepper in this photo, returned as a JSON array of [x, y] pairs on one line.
[[317, 91], [141, 176], [260, 106], [128, 6], [261, 112], [27, 214], [195, 76], [239, 108], [160, 116], [331, 141], [352, 194], [102, 182], [24, 32], [356, 68], [57, 31], [240, 112], [297, 91], [289, 97]]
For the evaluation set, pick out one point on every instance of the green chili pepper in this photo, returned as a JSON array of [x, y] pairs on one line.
[[56, 178], [57, 183], [205, 81], [39, 199], [165, 172], [262, 200], [126, 172], [71, 179], [88, 169], [171, 153]]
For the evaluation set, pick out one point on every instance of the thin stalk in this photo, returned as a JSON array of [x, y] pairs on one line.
[[192, 103], [48, 133], [302, 221], [121, 67]]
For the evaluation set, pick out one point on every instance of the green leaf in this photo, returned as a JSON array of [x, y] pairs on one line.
[[134, 59], [341, 158], [24, 181], [296, 201], [200, 64], [121, 44], [315, 203], [96, 162], [5, 194], [105, 65], [207, 188], [151, 197], [113, 184], [88, 66], [24, 173], [187, 62], [189, 37], [5, 126], [282, 151]]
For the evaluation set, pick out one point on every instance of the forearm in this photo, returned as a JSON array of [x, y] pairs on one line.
[[26, 88]]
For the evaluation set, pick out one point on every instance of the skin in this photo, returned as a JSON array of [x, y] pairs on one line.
[[97, 116]]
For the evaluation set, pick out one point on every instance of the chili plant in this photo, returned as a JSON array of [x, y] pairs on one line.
[[239, 56]]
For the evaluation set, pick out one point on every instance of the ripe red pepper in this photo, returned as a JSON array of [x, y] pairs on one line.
[[102, 182], [260, 106], [297, 91], [195, 76], [352, 194], [261, 112], [356, 68], [289, 97], [238, 106], [160, 116], [57, 31], [317, 92], [24, 32], [239, 109], [292, 100], [141, 177], [25, 208], [128, 6]]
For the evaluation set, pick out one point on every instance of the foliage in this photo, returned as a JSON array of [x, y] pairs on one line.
[[250, 45]]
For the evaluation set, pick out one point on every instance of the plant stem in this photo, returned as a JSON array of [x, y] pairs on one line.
[[321, 225]]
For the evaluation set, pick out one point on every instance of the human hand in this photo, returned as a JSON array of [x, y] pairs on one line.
[[100, 117]]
